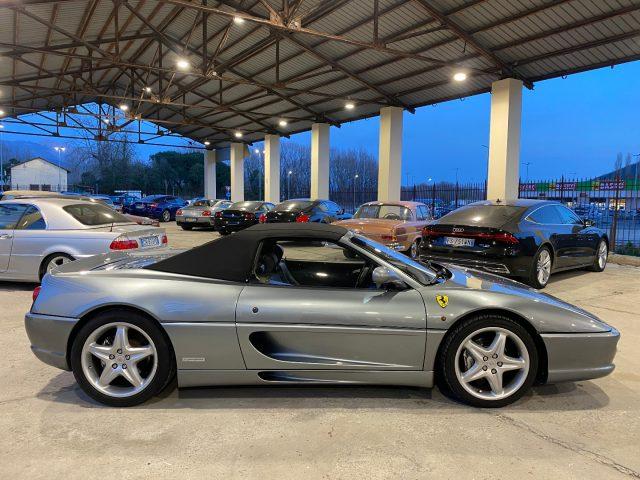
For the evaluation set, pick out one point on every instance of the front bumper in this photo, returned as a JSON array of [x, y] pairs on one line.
[[580, 356], [49, 337], [510, 266]]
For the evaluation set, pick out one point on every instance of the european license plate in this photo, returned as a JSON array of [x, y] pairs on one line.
[[149, 241], [459, 242], [190, 219]]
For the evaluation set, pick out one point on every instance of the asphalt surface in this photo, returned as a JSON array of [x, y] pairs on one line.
[[586, 430]]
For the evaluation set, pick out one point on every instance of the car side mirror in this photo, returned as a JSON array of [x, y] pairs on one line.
[[588, 222], [384, 277]]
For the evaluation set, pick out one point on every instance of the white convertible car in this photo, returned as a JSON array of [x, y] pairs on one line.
[[38, 234]]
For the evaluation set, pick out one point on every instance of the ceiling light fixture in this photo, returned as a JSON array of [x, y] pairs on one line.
[[460, 77], [238, 20], [238, 134], [207, 143], [349, 105], [183, 64], [283, 123], [124, 107], [147, 89]]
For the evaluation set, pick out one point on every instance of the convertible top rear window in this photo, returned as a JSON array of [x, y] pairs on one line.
[[289, 205]]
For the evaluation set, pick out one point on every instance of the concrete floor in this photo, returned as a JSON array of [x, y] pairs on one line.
[[587, 430]]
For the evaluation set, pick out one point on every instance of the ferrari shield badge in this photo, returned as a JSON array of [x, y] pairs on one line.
[[443, 300]]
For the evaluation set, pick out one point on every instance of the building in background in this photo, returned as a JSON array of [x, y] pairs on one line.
[[39, 174]]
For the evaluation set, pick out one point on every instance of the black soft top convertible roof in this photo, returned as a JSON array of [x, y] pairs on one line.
[[231, 258]]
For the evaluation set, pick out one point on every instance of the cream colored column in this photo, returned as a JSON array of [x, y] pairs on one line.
[[390, 154], [272, 168], [503, 176], [320, 160], [210, 173], [237, 152]]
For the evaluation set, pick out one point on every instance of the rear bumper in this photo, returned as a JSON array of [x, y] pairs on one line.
[[49, 337], [580, 356], [197, 221]]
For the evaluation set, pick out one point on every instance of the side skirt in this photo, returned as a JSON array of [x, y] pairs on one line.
[[201, 378]]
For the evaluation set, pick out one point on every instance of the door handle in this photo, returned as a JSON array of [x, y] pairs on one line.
[[6, 236]]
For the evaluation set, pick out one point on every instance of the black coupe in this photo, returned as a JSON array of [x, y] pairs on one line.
[[240, 215], [528, 239], [301, 210]]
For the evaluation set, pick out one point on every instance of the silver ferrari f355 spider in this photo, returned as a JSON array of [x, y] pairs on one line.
[[306, 304]]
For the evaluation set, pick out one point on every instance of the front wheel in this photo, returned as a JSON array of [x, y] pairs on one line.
[[541, 268], [121, 358], [488, 361], [602, 254]]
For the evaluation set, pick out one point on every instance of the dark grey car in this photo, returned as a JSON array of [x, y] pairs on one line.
[[200, 213], [290, 304]]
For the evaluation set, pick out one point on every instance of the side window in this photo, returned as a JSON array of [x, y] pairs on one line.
[[31, 220], [322, 206], [10, 215], [319, 264], [567, 215], [420, 213], [546, 215], [334, 207]]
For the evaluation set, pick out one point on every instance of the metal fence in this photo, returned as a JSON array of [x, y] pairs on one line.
[[613, 205]]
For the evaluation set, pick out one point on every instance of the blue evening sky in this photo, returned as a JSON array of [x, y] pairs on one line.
[[572, 127]]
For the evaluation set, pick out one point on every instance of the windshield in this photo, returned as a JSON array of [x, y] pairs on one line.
[[93, 214], [419, 272], [386, 212], [292, 205], [200, 203], [245, 205]]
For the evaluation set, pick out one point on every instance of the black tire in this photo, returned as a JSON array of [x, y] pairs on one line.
[[165, 216], [187, 227], [448, 380], [533, 280], [43, 266], [166, 364], [596, 266], [223, 231]]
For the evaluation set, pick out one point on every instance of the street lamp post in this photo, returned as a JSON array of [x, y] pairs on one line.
[[354, 191], [289, 184], [59, 150], [1, 161]]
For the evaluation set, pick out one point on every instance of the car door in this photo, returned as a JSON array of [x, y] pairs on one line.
[[586, 238], [313, 318], [10, 214]]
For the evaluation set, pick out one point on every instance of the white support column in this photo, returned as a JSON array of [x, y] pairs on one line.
[[390, 154], [272, 168], [237, 151], [210, 173], [320, 160], [503, 176]]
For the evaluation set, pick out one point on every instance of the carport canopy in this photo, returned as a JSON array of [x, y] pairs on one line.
[[227, 73]]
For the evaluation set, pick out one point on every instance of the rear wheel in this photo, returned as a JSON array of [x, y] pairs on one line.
[[121, 358], [600, 262], [541, 268], [54, 261], [166, 216], [488, 361], [223, 231]]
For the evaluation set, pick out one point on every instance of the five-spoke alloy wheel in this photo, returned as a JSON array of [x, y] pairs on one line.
[[121, 358], [488, 361], [541, 268]]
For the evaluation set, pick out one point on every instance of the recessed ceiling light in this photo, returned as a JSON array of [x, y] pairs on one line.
[[124, 107], [238, 20], [460, 77], [283, 123], [183, 64], [207, 143], [349, 105], [238, 134]]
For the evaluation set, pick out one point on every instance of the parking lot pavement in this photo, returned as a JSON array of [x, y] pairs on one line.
[[587, 430]]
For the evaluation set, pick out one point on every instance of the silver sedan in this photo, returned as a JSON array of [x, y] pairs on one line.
[[282, 304], [200, 213], [39, 234]]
